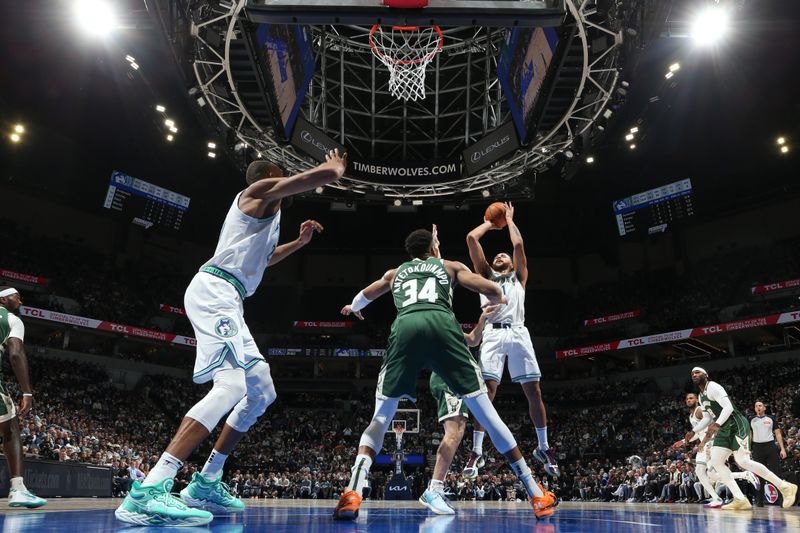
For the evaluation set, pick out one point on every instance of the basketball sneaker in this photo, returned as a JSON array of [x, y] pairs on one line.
[[737, 505], [212, 496], [157, 506], [789, 492], [474, 463], [544, 505], [548, 460], [24, 498], [347, 508], [435, 501], [713, 503], [753, 480]]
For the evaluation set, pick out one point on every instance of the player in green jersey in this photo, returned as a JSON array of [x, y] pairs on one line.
[[12, 335], [426, 334], [730, 431]]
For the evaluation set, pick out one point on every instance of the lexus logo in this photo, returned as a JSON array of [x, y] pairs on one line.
[[478, 154], [308, 138]]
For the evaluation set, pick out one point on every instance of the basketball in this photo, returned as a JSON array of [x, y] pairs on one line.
[[496, 214]]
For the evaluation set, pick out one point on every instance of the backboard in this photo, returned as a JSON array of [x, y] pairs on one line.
[[502, 13]]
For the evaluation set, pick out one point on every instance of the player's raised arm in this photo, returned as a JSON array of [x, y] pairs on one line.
[[276, 187], [476, 254], [520, 261], [475, 283], [283, 251], [474, 337], [374, 290]]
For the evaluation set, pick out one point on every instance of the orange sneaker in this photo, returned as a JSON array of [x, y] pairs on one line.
[[544, 505], [347, 508]]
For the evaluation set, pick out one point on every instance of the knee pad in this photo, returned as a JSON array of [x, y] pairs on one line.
[[373, 435], [260, 395], [229, 387], [486, 414]]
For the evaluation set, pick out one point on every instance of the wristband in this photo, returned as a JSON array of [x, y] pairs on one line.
[[359, 302], [27, 394]]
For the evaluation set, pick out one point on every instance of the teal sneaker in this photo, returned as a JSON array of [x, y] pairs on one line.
[[24, 498], [157, 506], [436, 502], [213, 496]]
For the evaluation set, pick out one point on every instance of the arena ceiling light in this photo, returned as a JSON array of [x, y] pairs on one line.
[[160, 108], [212, 155], [319, 190], [634, 129], [668, 75], [398, 203], [590, 160], [169, 123], [19, 128], [632, 147], [170, 137], [784, 149], [211, 145], [173, 129], [485, 193], [710, 25], [675, 67], [95, 18], [629, 137], [781, 140], [15, 137]]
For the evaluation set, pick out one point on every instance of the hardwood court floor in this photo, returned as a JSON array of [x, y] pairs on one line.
[[82, 515]]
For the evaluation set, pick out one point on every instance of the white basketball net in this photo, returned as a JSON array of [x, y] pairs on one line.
[[406, 52]]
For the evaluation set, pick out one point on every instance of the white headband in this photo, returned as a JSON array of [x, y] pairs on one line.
[[698, 369], [8, 292]]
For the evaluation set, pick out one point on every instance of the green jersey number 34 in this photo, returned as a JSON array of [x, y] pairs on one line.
[[414, 294]]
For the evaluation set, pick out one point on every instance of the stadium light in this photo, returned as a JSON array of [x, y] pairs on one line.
[[632, 147], [170, 137], [135, 66], [710, 25], [416, 202], [590, 160], [779, 140], [169, 123], [668, 75], [15, 137], [212, 145], [485, 193], [212, 155], [629, 137], [319, 190], [634, 129], [173, 129], [784, 149], [160, 108], [398, 203], [95, 17], [19, 128], [674, 67]]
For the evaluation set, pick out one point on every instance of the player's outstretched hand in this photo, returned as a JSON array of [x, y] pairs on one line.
[[334, 157], [25, 405], [347, 311], [679, 444], [489, 310], [436, 251], [307, 230], [509, 213]]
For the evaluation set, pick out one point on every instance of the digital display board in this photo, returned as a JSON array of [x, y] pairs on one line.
[[146, 204], [522, 69], [655, 209], [290, 67]]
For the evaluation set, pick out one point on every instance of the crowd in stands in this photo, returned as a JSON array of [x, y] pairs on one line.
[[303, 447]]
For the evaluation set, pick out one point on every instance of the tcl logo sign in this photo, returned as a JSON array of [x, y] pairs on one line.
[[712, 329], [636, 342], [35, 312], [571, 352], [118, 327]]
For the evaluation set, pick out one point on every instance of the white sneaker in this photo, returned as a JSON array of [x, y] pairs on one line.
[[737, 505], [789, 492], [436, 502], [753, 480], [474, 464], [23, 498]]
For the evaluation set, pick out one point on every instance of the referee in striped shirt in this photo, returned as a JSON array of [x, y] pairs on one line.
[[765, 434]]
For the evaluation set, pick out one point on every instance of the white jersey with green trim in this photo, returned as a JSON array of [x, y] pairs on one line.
[[514, 311], [694, 421], [245, 246]]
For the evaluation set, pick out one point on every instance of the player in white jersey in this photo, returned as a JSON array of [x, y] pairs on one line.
[[226, 352], [508, 338]]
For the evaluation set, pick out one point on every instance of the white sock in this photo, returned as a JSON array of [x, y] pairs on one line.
[[213, 467], [359, 473], [477, 442], [17, 484], [542, 434], [436, 485], [523, 472], [166, 468]]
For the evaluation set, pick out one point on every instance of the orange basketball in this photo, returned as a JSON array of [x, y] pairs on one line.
[[496, 214]]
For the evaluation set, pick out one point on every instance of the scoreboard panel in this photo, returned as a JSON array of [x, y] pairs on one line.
[[655, 209], [146, 204]]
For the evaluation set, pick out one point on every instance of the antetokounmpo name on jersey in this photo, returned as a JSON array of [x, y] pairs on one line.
[[436, 270]]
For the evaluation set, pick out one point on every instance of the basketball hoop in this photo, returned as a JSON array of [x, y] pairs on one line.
[[399, 428], [406, 52]]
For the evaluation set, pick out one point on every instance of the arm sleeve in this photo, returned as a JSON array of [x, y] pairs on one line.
[[360, 302], [17, 327], [718, 394], [704, 423]]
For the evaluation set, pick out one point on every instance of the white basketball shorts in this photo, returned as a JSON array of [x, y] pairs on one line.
[[215, 310], [513, 343]]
